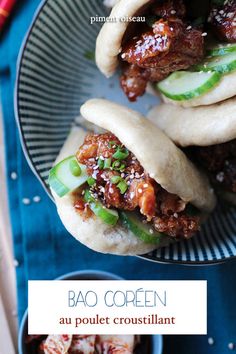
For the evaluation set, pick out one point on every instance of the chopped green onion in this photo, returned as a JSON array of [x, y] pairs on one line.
[[100, 164], [107, 163], [91, 181], [112, 143], [88, 197], [123, 186], [122, 167], [118, 166], [121, 154], [115, 179], [75, 168]]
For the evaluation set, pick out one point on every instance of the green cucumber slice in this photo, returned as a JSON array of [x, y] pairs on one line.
[[63, 179], [222, 64], [133, 223], [185, 85], [221, 49], [108, 216]]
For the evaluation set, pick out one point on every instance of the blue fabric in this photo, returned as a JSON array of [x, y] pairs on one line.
[[44, 250]]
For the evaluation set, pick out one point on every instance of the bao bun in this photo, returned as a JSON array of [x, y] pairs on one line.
[[157, 154]]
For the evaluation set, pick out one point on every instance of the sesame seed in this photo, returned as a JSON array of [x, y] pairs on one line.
[[140, 190], [220, 177], [132, 194], [94, 175], [16, 263], [26, 201], [145, 185], [189, 28], [231, 346], [211, 341], [14, 176], [173, 12], [204, 34], [151, 231], [36, 199]]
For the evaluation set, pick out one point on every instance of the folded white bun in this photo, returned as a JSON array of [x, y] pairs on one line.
[[226, 88], [157, 154], [109, 40], [200, 126]]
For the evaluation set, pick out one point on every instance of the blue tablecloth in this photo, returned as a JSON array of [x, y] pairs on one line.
[[43, 248]]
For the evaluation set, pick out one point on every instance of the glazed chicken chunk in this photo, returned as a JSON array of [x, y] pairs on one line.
[[164, 211], [169, 45]]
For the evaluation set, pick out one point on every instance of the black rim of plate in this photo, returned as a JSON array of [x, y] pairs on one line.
[[150, 256]]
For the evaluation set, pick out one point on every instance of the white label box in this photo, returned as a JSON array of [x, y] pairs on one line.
[[117, 307]]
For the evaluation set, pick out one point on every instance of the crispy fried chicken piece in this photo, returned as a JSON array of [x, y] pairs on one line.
[[177, 226], [143, 192], [223, 21], [169, 46], [134, 81]]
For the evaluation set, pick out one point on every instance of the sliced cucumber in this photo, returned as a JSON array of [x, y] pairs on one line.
[[222, 64], [221, 49], [143, 231], [67, 175], [108, 216], [185, 85]]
